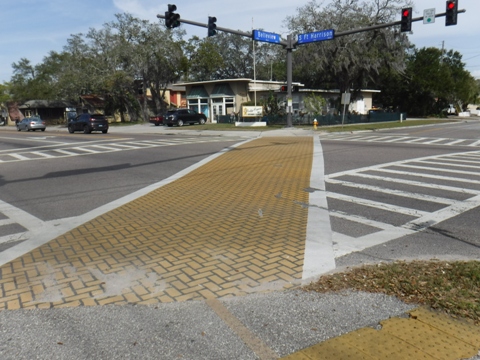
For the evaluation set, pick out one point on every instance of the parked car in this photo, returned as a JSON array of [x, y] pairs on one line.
[[156, 120], [181, 117], [31, 123], [88, 123]]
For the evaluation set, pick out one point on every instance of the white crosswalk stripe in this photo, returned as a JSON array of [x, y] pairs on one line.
[[401, 139], [92, 148], [447, 185]]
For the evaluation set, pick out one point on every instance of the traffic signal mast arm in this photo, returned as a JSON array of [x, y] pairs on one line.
[[218, 28], [381, 26]]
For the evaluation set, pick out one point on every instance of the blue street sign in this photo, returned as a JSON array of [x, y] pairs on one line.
[[260, 35], [316, 36]]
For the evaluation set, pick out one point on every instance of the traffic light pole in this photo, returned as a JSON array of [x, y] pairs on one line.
[[236, 32], [290, 45], [374, 27], [289, 49]]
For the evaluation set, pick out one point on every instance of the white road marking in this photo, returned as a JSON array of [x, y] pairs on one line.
[[344, 244], [84, 149], [98, 147], [401, 139], [40, 153], [65, 152], [393, 192], [19, 157], [377, 205], [319, 257]]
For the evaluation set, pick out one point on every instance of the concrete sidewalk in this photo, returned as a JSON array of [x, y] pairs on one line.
[[146, 281]]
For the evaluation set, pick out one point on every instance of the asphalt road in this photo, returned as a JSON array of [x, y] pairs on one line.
[[54, 175], [378, 187], [431, 169], [62, 175]]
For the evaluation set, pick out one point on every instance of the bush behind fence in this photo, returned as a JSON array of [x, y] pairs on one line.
[[323, 120]]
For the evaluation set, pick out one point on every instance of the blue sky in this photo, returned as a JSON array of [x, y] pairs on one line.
[[32, 28]]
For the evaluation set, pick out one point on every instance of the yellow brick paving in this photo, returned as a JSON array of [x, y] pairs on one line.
[[425, 335], [234, 226]]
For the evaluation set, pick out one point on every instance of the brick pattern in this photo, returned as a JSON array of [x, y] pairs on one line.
[[233, 226]]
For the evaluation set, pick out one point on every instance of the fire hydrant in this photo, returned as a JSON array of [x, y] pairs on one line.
[[315, 124]]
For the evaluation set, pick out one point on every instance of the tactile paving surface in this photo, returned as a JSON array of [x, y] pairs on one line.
[[233, 226], [425, 335]]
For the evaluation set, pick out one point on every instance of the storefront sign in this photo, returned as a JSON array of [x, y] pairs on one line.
[[252, 111]]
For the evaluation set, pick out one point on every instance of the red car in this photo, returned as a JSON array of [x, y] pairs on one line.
[[156, 120]]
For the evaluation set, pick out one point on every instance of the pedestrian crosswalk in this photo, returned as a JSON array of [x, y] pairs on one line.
[[90, 148], [364, 137], [392, 200]]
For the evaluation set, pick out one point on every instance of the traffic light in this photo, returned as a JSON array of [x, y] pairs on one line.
[[212, 26], [172, 19], [406, 22], [451, 13], [283, 88]]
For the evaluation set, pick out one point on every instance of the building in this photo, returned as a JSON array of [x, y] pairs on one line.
[[217, 98]]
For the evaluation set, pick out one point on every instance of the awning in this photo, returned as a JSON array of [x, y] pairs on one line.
[[222, 90], [197, 92]]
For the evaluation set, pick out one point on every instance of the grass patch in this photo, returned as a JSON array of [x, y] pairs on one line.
[[451, 287], [128, 123], [333, 128], [227, 127]]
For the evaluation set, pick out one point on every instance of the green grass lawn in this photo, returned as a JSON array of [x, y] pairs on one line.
[[452, 287], [333, 128]]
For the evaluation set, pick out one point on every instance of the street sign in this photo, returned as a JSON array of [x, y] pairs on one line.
[[316, 36], [429, 16], [260, 35], [346, 98]]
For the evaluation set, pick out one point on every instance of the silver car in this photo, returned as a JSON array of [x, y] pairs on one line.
[[31, 123]]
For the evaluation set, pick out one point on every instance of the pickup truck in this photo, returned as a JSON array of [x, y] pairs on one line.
[[156, 120]]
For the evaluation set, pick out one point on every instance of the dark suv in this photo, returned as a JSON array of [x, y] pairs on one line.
[[181, 117], [88, 123]]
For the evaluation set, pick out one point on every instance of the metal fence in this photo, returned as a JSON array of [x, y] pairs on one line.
[[322, 120]]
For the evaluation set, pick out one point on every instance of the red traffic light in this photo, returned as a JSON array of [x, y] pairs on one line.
[[406, 21], [451, 13]]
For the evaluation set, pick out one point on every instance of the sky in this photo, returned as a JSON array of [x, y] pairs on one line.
[[32, 28]]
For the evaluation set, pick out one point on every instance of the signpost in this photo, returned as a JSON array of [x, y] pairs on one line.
[[260, 35], [429, 16], [321, 35], [345, 101]]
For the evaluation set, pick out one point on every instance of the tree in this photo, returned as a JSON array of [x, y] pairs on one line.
[[349, 61], [4, 93], [315, 104], [116, 61], [432, 80], [204, 60], [227, 56], [271, 105], [28, 82]]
